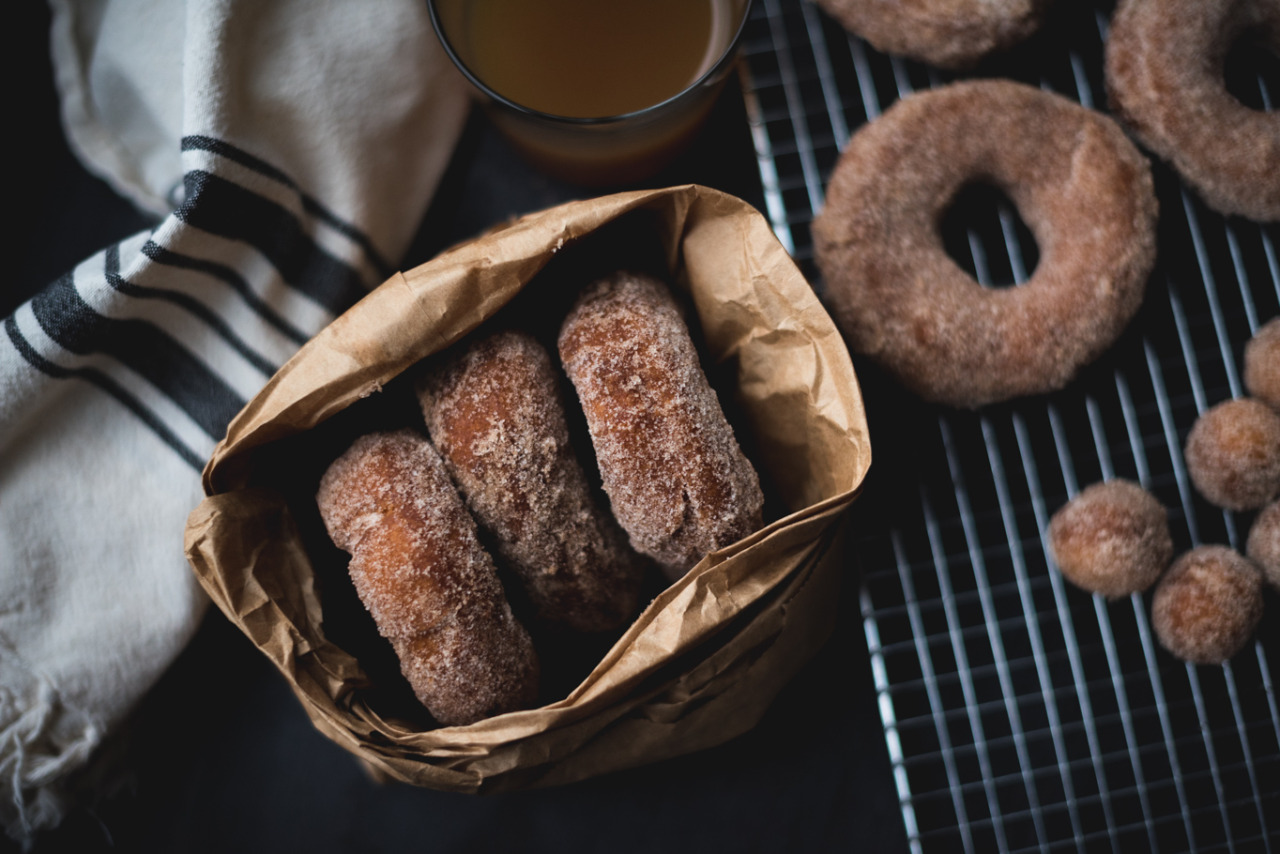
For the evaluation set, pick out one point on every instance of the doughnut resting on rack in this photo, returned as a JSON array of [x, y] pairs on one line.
[[946, 33], [1113, 538], [1263, 545], [1082, 187], [1262, 364], [1164, 67], [1207, 606], [1233, 454]]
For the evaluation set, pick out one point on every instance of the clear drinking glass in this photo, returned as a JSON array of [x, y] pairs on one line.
[[598, 150]]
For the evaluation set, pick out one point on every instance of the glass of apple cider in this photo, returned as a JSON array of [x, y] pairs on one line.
[[596, 92]]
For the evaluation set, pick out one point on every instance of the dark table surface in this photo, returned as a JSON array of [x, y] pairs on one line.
[[219, 756]]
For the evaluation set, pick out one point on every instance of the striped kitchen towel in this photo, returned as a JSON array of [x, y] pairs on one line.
[[289, 150]]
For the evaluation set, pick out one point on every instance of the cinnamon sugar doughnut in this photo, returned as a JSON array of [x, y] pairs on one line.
[[1207, 606], [946, 33], [1164, 65], [676, 478], [1233, 454], [1262, 364], [431, 588], [1078, 182], [1113, 538], [1263, 545], [495, 414]]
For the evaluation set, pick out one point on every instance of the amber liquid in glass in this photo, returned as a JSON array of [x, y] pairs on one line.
[[592, 58]]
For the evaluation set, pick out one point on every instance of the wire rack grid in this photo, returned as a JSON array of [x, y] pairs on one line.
[[1020, 713]]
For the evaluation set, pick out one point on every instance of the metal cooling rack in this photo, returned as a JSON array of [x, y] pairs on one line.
[[1019, 712]]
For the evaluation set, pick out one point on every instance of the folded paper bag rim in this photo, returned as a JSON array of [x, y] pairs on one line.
[[706, 657]]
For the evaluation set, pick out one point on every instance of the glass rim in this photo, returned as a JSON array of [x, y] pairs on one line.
[[714, 70]]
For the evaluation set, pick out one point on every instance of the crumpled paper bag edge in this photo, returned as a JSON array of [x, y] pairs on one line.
[[365, 365]]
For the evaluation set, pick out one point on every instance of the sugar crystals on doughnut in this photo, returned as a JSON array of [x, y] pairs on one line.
[[1113, 539], [1208, 605], [1262, 364], [1164, 65], [946, 33], [432, 589], [678, 482], [1079, 183], [495, 412], [1233, 454]]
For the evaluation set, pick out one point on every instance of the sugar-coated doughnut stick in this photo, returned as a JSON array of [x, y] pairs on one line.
[[676, 478], [432, 589], [495, 413]]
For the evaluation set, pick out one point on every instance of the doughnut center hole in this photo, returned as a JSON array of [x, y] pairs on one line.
[[1251, 71], [985, 235]]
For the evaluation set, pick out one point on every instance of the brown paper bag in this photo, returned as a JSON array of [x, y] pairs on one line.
[[702, 662]]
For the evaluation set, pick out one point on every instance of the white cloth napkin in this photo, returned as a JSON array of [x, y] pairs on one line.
[[291, 148]]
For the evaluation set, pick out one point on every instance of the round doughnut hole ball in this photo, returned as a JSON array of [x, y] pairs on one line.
[[1263, 547], [1112, 538], [1207, 606], [1233, 454], [1262, 364]]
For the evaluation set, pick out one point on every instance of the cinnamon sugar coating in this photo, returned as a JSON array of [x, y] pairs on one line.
[[1082, 187], [495, 413], [1113, 538], [431, 588], [946, 33], [677, 481], [1262, 364], [1233, 454], [1263, 546], [1164, 67], [1207, 606]]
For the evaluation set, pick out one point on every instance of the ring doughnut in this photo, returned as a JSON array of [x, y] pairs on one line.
[[946, 33], [1081, 186], [1164, 62]]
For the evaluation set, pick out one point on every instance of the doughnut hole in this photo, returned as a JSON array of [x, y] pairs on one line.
[[1262, 364], [1207, 606], [1263, 547], [1113, 539], [1233, 454], [981, 216]]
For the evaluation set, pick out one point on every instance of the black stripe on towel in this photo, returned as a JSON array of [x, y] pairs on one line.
[[142, 347], [109, 386], [228, 210], [169, 258], [225, 149], [194, 306]]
